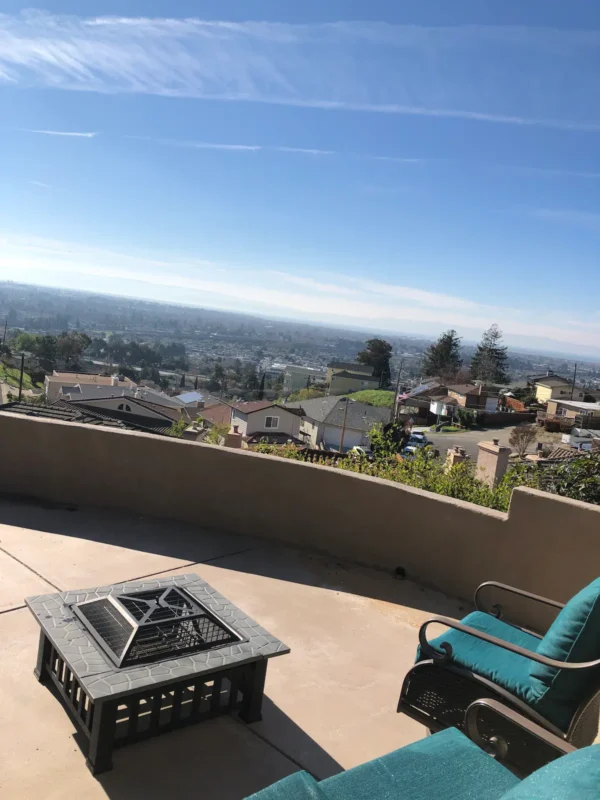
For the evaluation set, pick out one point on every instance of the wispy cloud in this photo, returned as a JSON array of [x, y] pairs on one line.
[[41, 184], [481, 74], [79, 134], [307, 151], [581, 219], [333, 299], [248, 148]]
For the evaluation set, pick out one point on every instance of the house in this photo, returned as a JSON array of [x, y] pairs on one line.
[[473, 397], [556, 388], [217, 414], [130, 420], [112, 396], [345, 382], [324, 420], [191, 400], [61, 382], [443, 406], [123, 408], [348, 366], [586, 413], [296, 377], [259, 420]]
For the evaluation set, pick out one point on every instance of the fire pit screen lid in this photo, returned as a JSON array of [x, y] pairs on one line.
[[152, 625]]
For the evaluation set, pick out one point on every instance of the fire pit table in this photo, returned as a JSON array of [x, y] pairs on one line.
[[138, 659]]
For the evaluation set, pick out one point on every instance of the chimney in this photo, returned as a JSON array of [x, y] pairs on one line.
[[234, 438], [456, 455], [492, 462], [114, 380]]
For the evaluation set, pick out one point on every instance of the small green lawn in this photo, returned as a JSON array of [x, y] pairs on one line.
[[11, 376], [374, 397], [446, 429]]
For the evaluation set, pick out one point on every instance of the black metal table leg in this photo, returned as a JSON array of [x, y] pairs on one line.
[[102, 737], [43, 657], [254, 687]]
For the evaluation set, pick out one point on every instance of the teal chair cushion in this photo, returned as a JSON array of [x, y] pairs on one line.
[[573, 636], [299, 786], [572, 777], [504, 668], [446, 765]]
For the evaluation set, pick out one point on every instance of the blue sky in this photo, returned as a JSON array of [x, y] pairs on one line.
[[401, 166]]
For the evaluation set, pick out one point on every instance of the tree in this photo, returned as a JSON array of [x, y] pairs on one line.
[[182, 381], [196, 383], [217, 381], [178, 428], [521, 437], [261, 388], [442, 358], [217, 433], [46, 352], [377, 354], [250, 378], [26, 342], [70, 345], [490, 360]]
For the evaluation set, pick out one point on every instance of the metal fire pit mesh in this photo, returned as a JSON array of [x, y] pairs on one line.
[[169, 638], [153, 625], [111, 626]]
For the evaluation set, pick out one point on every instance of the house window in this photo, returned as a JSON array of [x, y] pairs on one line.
[[271, 422], [125, 407]]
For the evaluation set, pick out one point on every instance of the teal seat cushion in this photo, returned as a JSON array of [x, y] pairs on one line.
[[446, 765], [299, 786], [572, 777], [504, 668], [574, 636]]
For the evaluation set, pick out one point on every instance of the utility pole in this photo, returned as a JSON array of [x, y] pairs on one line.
[[395, 403], [21, 378], [574, 379], [347, 400]]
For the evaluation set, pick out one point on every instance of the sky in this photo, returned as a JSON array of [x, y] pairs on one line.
[[395, 166]]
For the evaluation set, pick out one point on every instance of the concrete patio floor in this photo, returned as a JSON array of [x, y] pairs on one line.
[[329, 705]]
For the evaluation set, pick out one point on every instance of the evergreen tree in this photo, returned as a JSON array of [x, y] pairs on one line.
[[377, 354], [250, 378], [490, 359], [182, 381], [261, 388], [442, 358]]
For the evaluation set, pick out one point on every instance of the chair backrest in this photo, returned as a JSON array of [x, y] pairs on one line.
[[574, 636], [572, 777]]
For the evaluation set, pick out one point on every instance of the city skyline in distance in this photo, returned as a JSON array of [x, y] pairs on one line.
[[398, 167]]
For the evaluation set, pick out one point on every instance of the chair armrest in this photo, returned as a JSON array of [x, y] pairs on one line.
[[553, 745], [512, 590], [435, 655]]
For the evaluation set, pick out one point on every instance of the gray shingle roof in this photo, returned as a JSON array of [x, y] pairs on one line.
[[71, 412], [331, 411]]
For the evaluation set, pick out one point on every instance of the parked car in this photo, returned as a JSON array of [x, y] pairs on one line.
[[361, 452], [416, 442]]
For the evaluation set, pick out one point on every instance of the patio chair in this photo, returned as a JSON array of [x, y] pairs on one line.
[[450, 766], [552, 680]]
